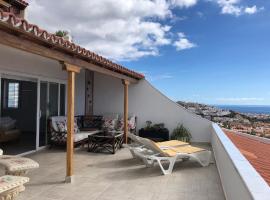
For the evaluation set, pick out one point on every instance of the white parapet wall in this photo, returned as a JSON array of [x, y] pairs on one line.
[[147, 103], [238, 177]]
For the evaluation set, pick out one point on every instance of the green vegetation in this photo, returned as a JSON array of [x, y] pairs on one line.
[[181, 133], [61, 33]]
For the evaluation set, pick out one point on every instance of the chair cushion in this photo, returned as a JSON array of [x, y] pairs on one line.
[[57, 119], [84, 135], [9, 182], [80, 136], [59, 123], [109, 124], [171, 143], [120, 125], [131, 123], [62, 126]]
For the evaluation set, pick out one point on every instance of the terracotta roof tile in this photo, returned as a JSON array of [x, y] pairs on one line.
[[24, 3], [256, 152], [15, 22]]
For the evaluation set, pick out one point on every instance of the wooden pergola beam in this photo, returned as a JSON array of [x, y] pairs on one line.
[[126, 84], [2, 2], [41, 47], [72, 70]]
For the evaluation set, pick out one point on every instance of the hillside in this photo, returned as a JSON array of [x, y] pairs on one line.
[[255, 124]]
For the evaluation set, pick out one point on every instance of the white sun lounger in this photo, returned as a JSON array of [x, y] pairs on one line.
[[151, 152], [139, 146]]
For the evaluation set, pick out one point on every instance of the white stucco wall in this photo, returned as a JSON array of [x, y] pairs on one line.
[[20, 64], [238, 177], [17, 61], [147, 103]]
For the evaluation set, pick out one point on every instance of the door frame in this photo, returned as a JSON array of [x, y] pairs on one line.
[[48, 82], [37, 79]]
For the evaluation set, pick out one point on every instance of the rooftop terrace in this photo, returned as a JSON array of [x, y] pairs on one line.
[[106, 176]]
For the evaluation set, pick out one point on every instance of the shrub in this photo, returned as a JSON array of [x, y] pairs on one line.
[[61, 33], [181, 133]]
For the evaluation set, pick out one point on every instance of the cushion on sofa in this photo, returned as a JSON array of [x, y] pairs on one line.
[[62, 126], [131, 123], [59, 123], [109, 124]]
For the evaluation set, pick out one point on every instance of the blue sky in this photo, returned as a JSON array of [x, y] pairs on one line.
[[208, 51], [230, 65]]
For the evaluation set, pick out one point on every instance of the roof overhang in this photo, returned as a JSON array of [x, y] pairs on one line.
[[17, 33], [22, 4], [4, 3]]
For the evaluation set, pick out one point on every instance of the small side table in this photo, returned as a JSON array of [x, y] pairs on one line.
[[110, 141]]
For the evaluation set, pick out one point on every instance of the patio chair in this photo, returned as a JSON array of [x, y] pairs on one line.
[[58, 132], [170, 154]]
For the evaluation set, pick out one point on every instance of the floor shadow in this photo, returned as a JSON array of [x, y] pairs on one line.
[[131, 162], [41, 183], [134, 174], [142, 172]]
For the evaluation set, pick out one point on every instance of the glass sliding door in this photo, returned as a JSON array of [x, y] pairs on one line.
[[52, 103], [62, 100], [53, 99], [18, 114], [43, 114]]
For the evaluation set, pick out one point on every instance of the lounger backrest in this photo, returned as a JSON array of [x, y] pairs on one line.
[[134, 138], [152, 146]]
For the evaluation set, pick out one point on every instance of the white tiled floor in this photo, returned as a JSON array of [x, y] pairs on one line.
[[118, 177]]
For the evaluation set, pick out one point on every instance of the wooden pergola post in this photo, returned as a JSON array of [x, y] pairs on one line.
[[125, 83], [72, 70]]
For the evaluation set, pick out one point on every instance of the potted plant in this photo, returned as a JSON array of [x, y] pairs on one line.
[[155, 132], [181, 133], [64, 34]]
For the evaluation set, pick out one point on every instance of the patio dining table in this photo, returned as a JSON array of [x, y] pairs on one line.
[[109, 141]]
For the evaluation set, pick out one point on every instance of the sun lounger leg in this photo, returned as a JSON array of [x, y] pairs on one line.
[[171, 164], [148, 162], [203, 158], [132, 153]]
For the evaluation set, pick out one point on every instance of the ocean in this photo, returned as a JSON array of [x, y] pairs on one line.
[[246, 108]]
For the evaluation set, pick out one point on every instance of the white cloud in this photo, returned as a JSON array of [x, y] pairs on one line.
[[183, 3], [230, 7], [233, 7], [240, 99], [200, 14], [158, 77], [183, 43], [123, 29], [119, 30], [252, 10]]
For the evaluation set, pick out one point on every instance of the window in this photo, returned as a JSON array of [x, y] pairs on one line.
[[13, 95]]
